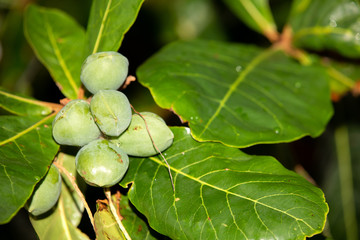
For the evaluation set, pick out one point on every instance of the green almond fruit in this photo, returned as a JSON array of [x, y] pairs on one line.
[[135, 141], [112, 112], [101, 163], [104, 71], [74, 124], [46, 193]]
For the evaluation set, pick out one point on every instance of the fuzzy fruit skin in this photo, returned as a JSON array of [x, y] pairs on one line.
[[46, 193], [135, 141], [101, 163], [112, 112], [74, 125], [104, 71]]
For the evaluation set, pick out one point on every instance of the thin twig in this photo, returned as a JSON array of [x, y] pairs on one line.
[[157, 149], [77, 189], [113, 211]]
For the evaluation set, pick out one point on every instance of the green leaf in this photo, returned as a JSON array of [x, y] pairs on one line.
[[61, 222], [109, 21], [238, 94], [26, 151], [222, 193], [327, 25], [137, 228], [106, 226], [21, 105], [343, 75], [56, 226], [58, 41], [73, 206], [256, 14]]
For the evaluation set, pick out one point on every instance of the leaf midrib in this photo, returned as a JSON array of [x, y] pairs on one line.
[[102, 26], [256, 61], [60, 58], [262, 23], [20, 134], [23, 99], [203, 183]]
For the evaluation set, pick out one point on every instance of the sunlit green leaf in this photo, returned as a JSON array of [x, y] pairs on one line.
[[58, 42], [238, 94], [327, 25], [26, 151], [222, 193], [256, 14], [109, 21], [21, 105]]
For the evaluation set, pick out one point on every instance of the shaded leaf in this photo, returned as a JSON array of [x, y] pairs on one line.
[[327, 25], [256, 14], [73, 206], [62, 221], [238, 94], [58, 41], [341, 180], [26, 151], [109, 21], [222, 193], [343, 76], [21, 105], [105, 224], [134, 224], [56, 225]]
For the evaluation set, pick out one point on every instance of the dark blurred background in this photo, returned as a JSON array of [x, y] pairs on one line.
[[161, 22]]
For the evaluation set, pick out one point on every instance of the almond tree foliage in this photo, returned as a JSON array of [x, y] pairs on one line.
[[229, 96]]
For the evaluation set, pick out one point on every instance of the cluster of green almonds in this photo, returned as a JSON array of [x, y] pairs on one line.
[[105, 129]]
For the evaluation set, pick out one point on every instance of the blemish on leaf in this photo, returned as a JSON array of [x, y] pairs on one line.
[[177, 199], [226, 169], [46, 126], [183, 153], [225, 225], [209, 218], [139, 228]]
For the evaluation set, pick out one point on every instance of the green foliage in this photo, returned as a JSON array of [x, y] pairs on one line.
[[332, 25], [26, 151], [238, 94], [222, 193], [109, 21], [256, 14], [231, 95], [57, 41]]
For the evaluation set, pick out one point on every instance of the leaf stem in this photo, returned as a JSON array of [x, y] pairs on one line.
[[77, 189], [114, 213], [346, 182], [157, 149]]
